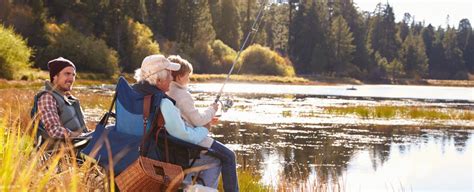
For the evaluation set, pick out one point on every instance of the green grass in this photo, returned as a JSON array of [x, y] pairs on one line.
[[248, 181], [389, 112]]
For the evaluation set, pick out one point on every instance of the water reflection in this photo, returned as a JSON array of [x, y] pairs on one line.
[[325, 155]]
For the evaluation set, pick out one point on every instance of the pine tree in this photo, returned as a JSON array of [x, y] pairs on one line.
[[228, 29], [468, 54], [428, 35], [342, 47], [437, 57], [383, 42], [154, 16], [403, 28], [136, 9], [413, 56], [194, 24], [308, 40], [248, 10], [465, 43], [384, 38], [358, 28], [170, 19], [454, 61], [276, 28], [463, 33]]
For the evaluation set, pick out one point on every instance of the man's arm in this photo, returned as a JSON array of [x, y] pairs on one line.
[[176, 127], [47, 107]]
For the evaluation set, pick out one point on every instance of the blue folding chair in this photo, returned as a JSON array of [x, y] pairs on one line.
[[125, 136]]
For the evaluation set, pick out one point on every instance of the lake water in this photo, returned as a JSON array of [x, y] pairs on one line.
[[358, 159], [373, 91], [282, 133]]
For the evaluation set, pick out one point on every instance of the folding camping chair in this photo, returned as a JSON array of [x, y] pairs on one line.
[[125, 136]]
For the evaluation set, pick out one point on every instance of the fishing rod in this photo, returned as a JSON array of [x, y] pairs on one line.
[[253, 29]]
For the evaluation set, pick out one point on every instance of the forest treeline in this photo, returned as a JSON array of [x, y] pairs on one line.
[[302, 37]]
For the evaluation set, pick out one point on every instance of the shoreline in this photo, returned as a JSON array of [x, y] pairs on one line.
[[261, 79]]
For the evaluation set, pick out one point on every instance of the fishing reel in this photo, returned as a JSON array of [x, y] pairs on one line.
[[226, 104]]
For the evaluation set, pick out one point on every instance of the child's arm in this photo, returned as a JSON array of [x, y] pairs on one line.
[[196, 117]]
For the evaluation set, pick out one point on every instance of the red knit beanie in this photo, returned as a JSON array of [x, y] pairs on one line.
[[56, 65]]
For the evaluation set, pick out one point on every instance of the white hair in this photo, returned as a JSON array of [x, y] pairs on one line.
[[150, 77]]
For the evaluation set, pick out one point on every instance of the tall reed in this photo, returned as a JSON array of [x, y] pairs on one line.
[[26, 168]]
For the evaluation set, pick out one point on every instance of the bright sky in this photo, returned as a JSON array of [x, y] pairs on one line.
[[430, 11]]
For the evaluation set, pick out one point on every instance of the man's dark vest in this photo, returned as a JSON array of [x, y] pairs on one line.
[[69, 108]]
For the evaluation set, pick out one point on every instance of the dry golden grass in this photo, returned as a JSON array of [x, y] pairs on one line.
[[26, 168]]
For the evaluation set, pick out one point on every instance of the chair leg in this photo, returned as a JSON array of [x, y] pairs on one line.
[[196, 179]]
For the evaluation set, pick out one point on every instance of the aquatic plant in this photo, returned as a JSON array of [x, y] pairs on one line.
[[410, 112], [286, 113]]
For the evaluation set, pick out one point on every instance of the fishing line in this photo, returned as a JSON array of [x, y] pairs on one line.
[[228, 103]]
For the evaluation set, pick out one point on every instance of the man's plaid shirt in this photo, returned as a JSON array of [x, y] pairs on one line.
[[48, 109]]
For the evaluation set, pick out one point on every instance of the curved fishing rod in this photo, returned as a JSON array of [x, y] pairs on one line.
[[252, 30]]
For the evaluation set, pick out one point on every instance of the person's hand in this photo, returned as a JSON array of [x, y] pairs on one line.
[[215, 106], [74, 134], [214, 120]]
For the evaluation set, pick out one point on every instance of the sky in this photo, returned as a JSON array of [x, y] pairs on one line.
[[430, 11]]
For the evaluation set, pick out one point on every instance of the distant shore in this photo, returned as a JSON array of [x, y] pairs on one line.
[[97, 79], [324, 80]]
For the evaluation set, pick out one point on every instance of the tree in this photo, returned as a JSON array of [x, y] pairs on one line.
[[403, 28], [248, 11], [308, 39], [228, 29], [342, 47], [139, 44], [465, 41], [463, 33], [276, 28], [154, 16], [170, 19], [383, 32], [428, 36], [454, 61], [359, 30], [413, 56], [468, 54], [14, 54], [87, 52], [194, 32], [136, 9], [28, 19], [194, 24], [437, 57]]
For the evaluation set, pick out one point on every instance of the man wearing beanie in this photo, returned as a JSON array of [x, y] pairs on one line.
[[60, 113]]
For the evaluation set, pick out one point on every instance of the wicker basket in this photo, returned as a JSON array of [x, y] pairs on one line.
[[149, 175]]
